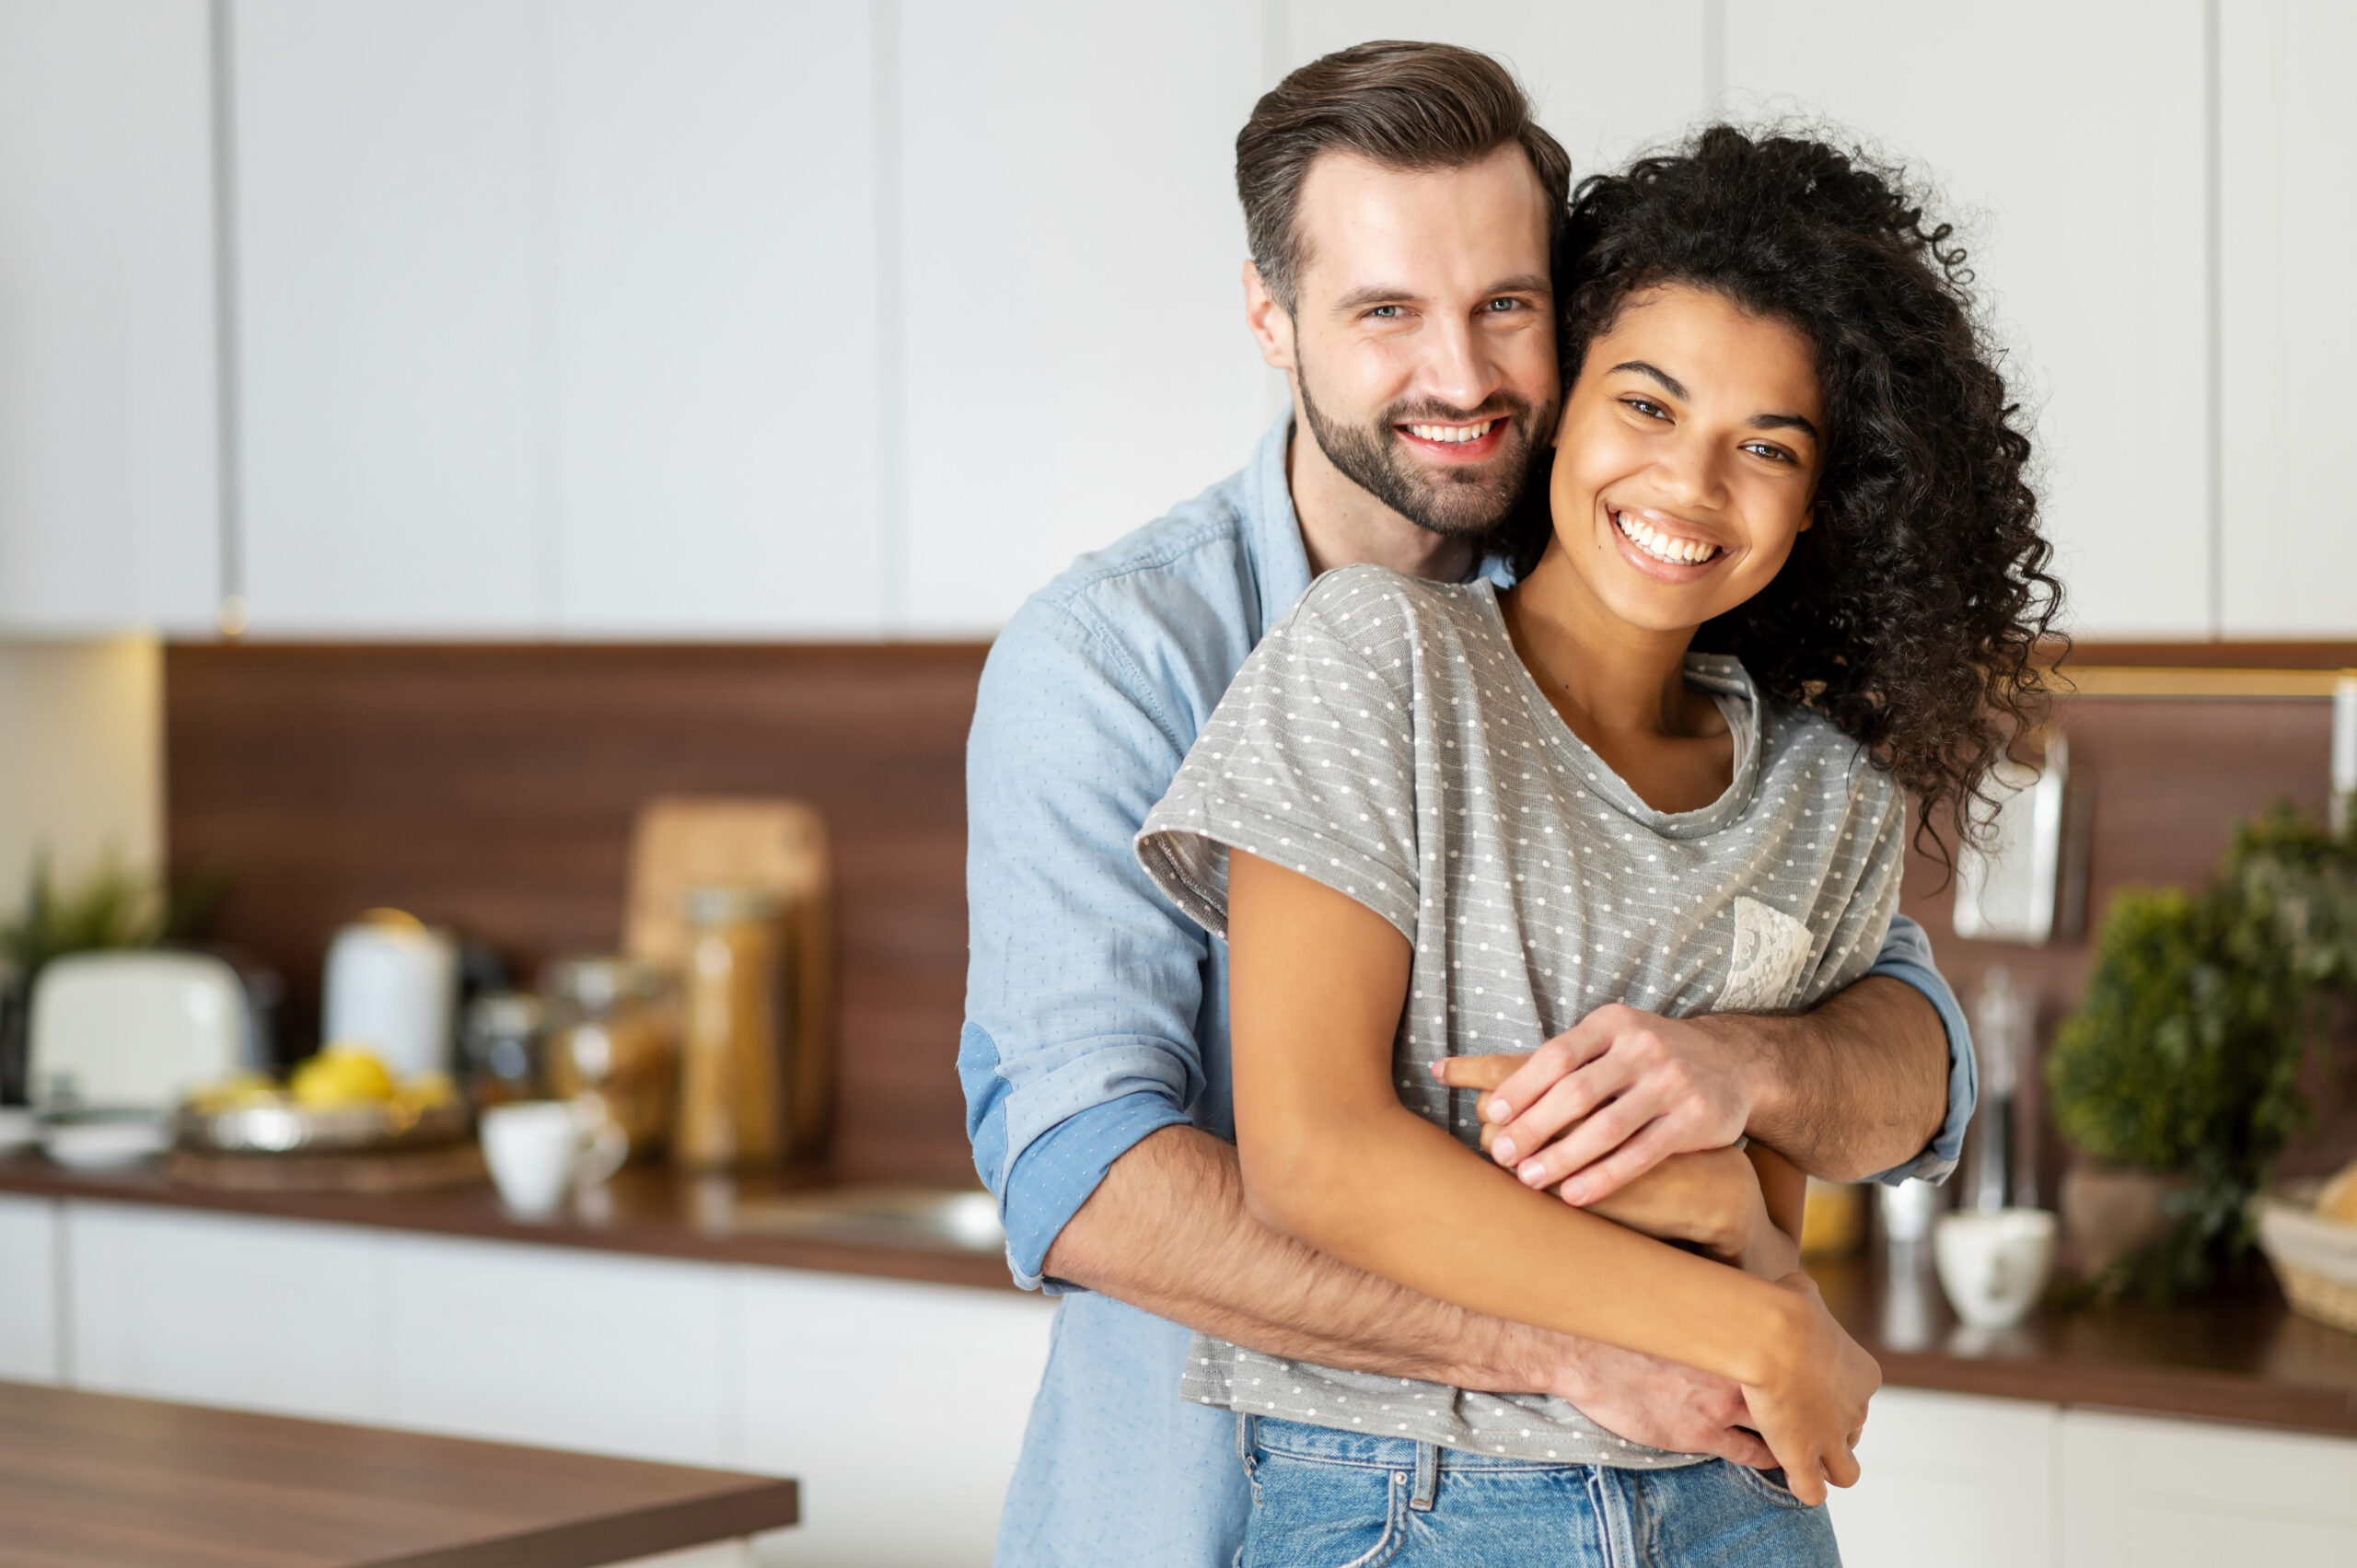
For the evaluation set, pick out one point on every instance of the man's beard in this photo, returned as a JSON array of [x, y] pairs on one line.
[[1461, 503]]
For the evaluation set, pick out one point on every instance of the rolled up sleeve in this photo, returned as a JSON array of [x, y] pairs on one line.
[[1084, 983], [1907, 956]]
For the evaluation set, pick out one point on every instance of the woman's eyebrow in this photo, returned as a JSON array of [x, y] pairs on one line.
[[1669, 383], [1784, 422]]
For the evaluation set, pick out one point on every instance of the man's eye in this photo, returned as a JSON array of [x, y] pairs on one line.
[[1502, 306], [1385, 312]]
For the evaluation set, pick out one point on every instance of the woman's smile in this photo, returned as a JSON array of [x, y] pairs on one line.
[[1663, 545]]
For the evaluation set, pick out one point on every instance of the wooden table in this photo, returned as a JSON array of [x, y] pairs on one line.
[[96, 1482]]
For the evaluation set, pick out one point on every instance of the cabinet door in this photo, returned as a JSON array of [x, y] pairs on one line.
[[2144, 1492], [386, 315], [2287, 138], [714, 318], [1657, 55], [872, 1393], [1951, 1480], [1071, 250], [2071, 136], [30, 1347], [220, 1309], [561, 1349], [110, 478]]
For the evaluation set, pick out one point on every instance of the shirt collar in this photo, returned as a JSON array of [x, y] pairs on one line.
[[1280, 559]]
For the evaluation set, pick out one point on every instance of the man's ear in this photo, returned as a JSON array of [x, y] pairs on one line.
[[1271, 327]]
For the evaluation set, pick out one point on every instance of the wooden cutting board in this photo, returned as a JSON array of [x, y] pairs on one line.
[[682, 842]]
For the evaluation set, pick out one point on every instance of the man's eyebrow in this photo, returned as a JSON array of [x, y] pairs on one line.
[[1671, 385], [1395, 294]]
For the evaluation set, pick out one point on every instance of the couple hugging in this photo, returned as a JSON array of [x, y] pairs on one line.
[[1433, 894]]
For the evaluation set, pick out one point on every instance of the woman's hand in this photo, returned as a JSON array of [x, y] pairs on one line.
[[1812, 1406]]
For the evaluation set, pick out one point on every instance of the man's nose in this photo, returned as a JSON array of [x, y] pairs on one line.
[[1458, 369]]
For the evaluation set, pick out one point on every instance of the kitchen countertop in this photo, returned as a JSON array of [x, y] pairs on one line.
[[94, 1479], [2239, 1356]]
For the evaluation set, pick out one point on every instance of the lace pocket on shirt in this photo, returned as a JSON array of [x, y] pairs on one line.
[[1771, 957]]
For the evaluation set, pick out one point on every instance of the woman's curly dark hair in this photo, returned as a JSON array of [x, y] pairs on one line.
[[1910, 614]]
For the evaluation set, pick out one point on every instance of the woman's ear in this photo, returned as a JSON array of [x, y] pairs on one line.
[[1808, 520]]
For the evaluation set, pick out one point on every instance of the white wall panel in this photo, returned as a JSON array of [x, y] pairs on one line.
[[110, 501], [32, 1350], [714, 381], [387, 162], [2145, 1492], [220, 1309], [561, 1347], [900, 1407], [1076, 359], [1608, 78], [2075, 135], [2288, 139]]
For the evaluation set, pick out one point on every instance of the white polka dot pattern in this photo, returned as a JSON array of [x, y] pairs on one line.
[[1386, 740]]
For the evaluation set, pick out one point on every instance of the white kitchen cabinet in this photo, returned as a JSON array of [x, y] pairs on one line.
[[2070, 139], [611, 1354], [559, 318], [1658, 56], [1071, 314], [2287, 140], [1951, 1479], [30, 1350], [2146, 1492], [388, 315], [900, 1407], [222, 1310], [110, 476]]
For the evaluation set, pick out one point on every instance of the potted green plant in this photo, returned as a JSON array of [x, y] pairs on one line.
[[2180, 1071]]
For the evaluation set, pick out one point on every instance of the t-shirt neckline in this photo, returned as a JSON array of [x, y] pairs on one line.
[[1729, 685]]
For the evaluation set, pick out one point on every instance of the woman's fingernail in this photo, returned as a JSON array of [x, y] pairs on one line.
[[1500, 1111], [1574, 1192], [1504, 1150], [1440, 1069], [1533, 1173]]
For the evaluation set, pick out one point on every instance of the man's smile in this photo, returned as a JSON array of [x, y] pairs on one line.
[[1459, 441]]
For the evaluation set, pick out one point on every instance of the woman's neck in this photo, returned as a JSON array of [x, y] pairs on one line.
[[1608, 679]]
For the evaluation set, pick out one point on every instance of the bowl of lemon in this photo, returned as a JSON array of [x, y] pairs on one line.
[[342, 1100]]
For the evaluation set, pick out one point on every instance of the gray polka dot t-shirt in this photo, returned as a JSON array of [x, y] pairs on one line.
[[1386, 740]]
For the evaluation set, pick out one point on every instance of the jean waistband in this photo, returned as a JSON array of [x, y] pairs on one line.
[[1273, 1436]]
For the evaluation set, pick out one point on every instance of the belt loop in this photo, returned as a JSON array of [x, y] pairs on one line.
[[1427, 1488], [1247, 1434]]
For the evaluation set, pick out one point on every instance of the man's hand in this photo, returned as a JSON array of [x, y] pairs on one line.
[[1610, 1099], [1665, 1405]]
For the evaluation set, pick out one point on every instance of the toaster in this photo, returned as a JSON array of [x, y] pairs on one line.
[[132, 1030]]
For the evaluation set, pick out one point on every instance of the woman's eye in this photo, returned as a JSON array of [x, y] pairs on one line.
[[1774, 454], [1646, 406]]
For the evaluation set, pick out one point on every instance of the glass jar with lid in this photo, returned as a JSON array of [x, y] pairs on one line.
[[611, 1044]]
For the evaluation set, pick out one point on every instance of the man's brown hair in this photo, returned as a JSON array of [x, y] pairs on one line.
[[1408, 106]]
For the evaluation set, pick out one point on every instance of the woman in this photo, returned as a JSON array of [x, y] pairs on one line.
[[1433, 821]]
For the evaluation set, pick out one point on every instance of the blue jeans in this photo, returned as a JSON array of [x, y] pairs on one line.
[[1326, 1499]]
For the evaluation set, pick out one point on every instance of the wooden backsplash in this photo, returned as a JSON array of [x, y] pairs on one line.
[[492, 787]]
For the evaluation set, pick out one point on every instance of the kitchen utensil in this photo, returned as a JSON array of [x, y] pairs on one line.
[[1909, 1210], [103, 1140], [539, 1149], [123, 1031], [731, 1110], [2026, 882], [2314, 1257], [289, 1129], [499, 1046], [1993, 1266], [683, 841], [392, 986], [611, 1044]]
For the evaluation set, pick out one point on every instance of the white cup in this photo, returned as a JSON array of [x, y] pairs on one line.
[[537, 1149], [1993, 1266]]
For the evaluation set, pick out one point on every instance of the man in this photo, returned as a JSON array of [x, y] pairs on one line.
[[1402, 209]]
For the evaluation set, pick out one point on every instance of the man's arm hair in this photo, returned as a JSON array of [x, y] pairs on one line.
[[1857, 1085]]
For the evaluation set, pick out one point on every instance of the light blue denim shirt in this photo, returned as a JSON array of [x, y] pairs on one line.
[[1096, 1012]]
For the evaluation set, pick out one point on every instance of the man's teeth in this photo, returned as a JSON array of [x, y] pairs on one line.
[[1661, 546], [1452, 435]]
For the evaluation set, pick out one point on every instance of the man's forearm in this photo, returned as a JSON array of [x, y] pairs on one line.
[[1168, 1231], [1858, 1085]]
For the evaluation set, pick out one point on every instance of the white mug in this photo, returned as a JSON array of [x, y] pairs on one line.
[[539, 1148], [1993, 1266]]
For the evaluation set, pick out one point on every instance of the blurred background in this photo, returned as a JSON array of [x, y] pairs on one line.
[[436, 434]]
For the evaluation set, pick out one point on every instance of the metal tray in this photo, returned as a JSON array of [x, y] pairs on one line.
[[291, 1129]]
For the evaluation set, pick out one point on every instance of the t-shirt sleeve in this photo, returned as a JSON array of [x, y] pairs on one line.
[[1864, 895], [1309, 763]]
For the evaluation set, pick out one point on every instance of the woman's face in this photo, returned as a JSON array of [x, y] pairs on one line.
[[1686, 458]]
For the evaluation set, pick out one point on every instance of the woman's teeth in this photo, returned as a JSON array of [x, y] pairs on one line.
[[1452, 435], [1661, 546]]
